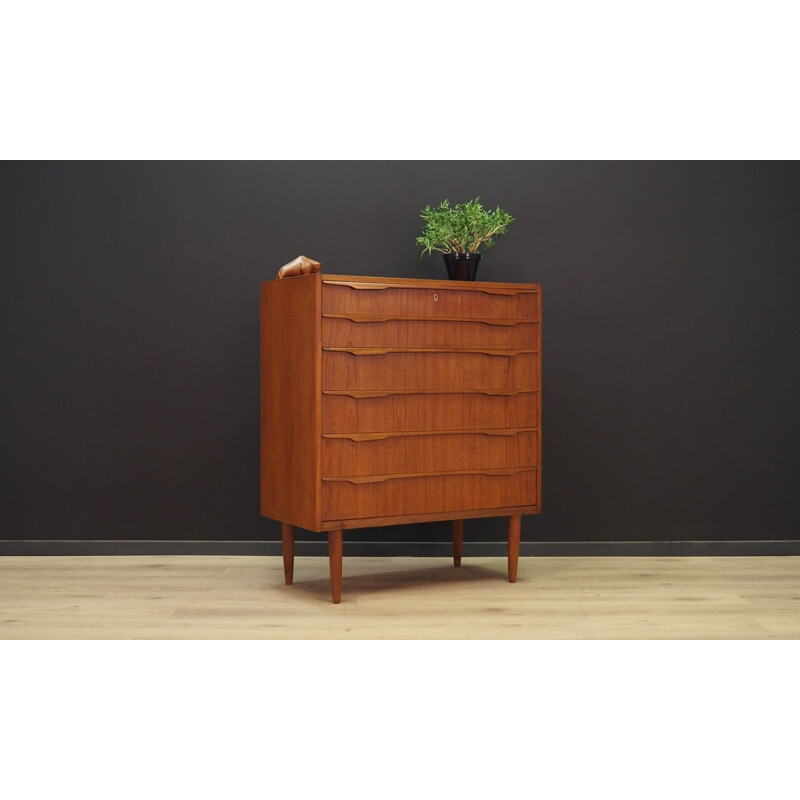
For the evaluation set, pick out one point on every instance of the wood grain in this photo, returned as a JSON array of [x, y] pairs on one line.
[[458, 540], [452, 351], [405, 371], [244, 597], [428, 453], [365, 479], [514, 525], [360, 393], [287, 547], [395, 496], [335, 558], [489, 287], [382, 435], [501, 301], [290, 400], [539, 408], [396, 318], [396, 400], [450, 410], [375, 331]]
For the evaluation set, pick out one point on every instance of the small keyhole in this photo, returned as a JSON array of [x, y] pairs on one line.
[[436, 298]]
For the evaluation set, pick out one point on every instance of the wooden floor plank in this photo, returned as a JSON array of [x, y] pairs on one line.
[[245, 597]]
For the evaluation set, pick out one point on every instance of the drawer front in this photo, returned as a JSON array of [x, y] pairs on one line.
[[345, 413], [428, 453], [376, 331], [427, 371], [343, 499], [355, 298]]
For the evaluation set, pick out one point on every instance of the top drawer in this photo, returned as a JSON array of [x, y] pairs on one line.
[[352, 297]]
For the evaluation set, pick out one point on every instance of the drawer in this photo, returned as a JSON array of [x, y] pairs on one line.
[[383, 369], [374, 331], [383, 454], [390, 496], [364, 412], [376, 298]]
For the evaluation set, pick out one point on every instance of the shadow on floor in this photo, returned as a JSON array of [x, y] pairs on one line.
[[399, 580]]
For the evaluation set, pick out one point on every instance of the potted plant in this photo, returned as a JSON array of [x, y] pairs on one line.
[[459, 232]]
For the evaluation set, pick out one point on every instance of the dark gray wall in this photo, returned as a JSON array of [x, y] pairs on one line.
[[130, 337]]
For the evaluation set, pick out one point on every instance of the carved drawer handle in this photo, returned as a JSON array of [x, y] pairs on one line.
[[377, 437], [359, 286], [358, 394], [386, 351], [362, 479], [371, 318], [416, 288], [505, 392]]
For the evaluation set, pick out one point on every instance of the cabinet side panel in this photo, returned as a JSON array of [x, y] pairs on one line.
[[290, 399], [539, 407]]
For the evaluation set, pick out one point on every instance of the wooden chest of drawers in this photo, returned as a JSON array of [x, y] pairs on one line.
[[389, 400]]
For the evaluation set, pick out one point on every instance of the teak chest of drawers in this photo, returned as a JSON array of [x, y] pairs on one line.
[[389, 400]]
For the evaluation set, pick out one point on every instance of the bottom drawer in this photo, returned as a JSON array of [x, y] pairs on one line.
[[387, 496]]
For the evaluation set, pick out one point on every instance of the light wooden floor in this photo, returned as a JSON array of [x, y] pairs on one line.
[[212, 597]]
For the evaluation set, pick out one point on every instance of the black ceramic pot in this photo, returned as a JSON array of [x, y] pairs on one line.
[[462, 266]]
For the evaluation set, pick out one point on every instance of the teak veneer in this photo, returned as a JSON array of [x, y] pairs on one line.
[[388, 401]]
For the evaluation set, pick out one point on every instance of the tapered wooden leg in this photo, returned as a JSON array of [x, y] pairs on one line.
[[287, 545], [513, 546], [335, 556], [458, 538]]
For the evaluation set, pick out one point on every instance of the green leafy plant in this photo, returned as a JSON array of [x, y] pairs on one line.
[[462, 228]]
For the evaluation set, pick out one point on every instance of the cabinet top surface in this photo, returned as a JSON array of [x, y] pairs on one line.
[[389, 282]]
